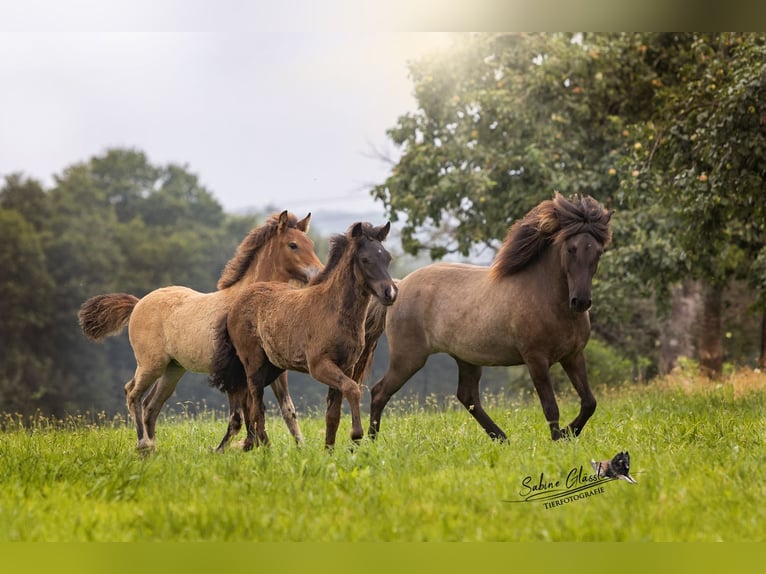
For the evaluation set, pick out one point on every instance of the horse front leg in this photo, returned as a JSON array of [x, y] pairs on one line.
[[539, 371], [332, 416], [574, 367], [327, 372]]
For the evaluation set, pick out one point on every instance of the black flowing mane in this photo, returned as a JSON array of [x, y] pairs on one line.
[[552, 221]]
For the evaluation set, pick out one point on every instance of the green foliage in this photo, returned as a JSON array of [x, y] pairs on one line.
[[606, 367], [666, 128], [431, 476], [702, 154], [113, 223], [504, 120], [26, 292]]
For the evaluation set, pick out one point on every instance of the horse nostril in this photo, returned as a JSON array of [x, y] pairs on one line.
[[579, 305]]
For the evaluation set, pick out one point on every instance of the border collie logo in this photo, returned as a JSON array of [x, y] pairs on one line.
[[577, 484], [618, 467]]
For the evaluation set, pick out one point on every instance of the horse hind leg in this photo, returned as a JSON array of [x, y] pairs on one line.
[[286, 406], [468, 394], [400, 370], [158, 395], [237, 402], [575, 369], [134, 392], [255, 419]]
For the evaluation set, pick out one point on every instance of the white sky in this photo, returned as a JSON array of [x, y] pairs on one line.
[[263, 114]]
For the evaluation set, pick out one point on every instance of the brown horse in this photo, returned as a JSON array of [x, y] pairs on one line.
[[236, 379], [318, 330], [172, 328], [529, 307]]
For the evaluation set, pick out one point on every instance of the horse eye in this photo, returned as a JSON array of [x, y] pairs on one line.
[[572, 250], [293, 245]]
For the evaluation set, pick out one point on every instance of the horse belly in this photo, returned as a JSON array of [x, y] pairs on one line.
[[190, 331], [482, 346], [292, 358], [195, 352], [282, 349]]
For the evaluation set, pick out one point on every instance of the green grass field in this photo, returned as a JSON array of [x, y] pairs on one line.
[[433, 475]]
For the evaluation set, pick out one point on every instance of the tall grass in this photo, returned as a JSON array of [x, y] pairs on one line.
[[432, 475]]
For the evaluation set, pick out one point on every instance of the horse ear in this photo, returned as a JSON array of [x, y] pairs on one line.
[[609, 215], [284, 219], [303, 224], [382, 231], [357, 229]]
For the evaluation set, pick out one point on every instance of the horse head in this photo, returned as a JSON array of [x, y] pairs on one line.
[[372, 260], [583, 231], [293, 256], [580, 255]]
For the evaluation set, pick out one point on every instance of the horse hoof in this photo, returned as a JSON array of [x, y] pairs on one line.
[[145, 448], [565, 433]]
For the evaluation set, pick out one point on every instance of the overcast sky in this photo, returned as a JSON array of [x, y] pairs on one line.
[[266, 117]]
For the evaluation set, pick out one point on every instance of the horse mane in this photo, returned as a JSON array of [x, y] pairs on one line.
[[338, 245], [552, 221], [247, 251]]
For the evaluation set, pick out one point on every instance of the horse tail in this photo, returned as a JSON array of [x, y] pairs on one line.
[[227, 373], [374, 324], [105, 315]]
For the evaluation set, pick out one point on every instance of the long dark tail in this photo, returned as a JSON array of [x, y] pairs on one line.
[[227, 373], [105, 315], [374, 324]]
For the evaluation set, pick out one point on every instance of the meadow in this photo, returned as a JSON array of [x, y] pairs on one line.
[[697, 453]]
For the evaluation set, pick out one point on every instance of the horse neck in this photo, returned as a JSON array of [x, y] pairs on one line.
[[262, 268], [345, 295]]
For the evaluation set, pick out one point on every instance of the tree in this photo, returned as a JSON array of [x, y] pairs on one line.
[[664, 127], [502, 122], [702, 156], [112, 223], [25, 307]]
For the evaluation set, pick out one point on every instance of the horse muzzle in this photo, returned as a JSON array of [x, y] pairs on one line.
[[389, 295], [310, 272], [579, 305]]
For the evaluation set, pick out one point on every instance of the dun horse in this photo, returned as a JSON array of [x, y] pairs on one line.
[[529, 307], [172, 329], [319, 330]]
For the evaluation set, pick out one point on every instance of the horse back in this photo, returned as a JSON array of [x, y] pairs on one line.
[[463, 311], [276, 317], [177, 323]]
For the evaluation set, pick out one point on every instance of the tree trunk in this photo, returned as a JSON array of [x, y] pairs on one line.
[[762, 357], [677, 334], [711, 331]]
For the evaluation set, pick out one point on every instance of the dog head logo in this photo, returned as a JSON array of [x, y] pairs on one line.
[[618, 467]]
